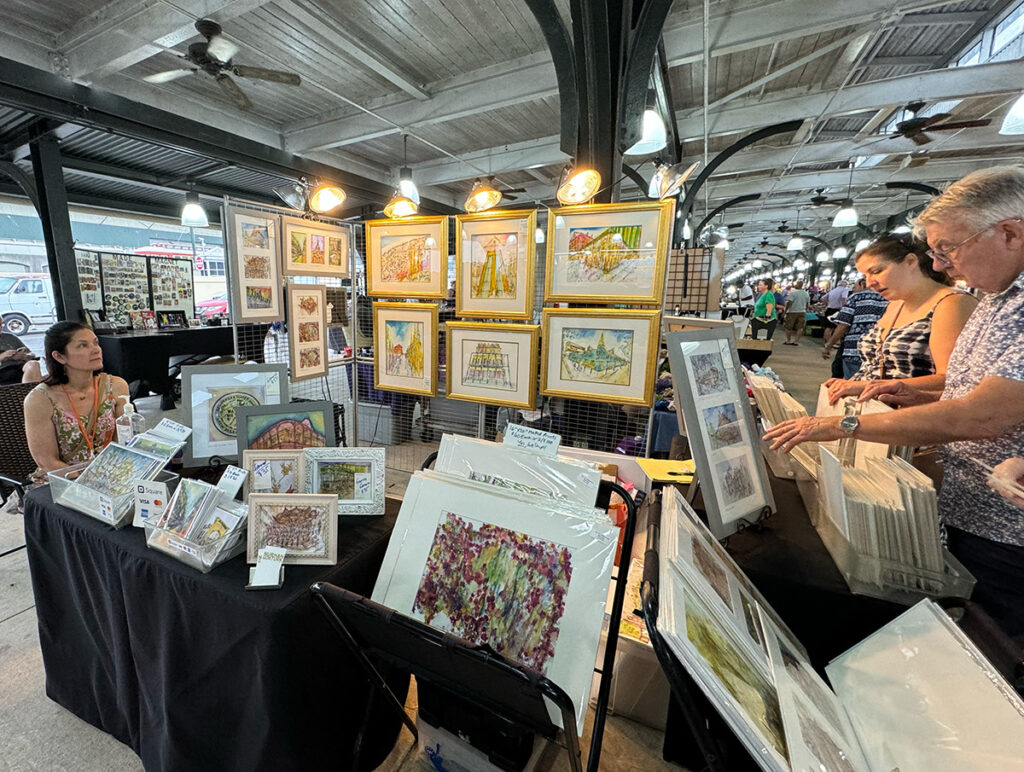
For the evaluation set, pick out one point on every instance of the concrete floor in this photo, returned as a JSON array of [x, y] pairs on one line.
[[39, 735]]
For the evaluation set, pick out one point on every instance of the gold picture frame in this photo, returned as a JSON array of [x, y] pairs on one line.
[[392, 249], [628, 263], [405, 347], [307, 330], [502, 366], [604, 355], [495, 264]]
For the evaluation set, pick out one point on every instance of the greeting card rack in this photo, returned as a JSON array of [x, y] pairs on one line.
[[201, 556], [88, 501]]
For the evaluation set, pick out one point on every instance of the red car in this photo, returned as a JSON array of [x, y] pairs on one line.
[[215, 306]]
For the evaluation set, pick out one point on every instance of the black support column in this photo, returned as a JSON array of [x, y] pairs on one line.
[[53, 211]]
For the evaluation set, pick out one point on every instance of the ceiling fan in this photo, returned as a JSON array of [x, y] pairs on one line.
[[914, 128], [214, 57], [822, 200]]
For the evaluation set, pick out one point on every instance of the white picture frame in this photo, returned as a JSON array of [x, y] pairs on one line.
[[354, 475], [306, 525], [253, 265], [274, 471]]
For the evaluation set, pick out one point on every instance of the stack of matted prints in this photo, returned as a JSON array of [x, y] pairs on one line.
[[743, 657], [775, 405], [492, 562]]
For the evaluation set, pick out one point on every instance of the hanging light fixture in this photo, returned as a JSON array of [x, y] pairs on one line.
[[538, 235], [293, 194], [482, 196], [326, 196], [757, 262], [400, 206], [192, 214], [821, 257], [862, 245], [653, 136], [1013, 123], [840, 253], [795, 244], [577, 186], [846, 217], [723, 244], [405, 183], [667, 180], [687, 233]]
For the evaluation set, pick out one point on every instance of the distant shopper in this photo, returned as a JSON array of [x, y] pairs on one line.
[[746, 300], [765, 316], [17, 363], [780, 301], [862, 311], [796, 313], [835, 299]]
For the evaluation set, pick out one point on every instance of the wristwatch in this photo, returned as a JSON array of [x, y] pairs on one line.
[[849, 424]]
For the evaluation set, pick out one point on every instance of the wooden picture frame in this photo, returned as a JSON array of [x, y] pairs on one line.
[[495, 264], [253, 265], [608, 253], [407, 258], [494, 364], [405, 347], [269, 471], [605, 355], [307, 524], [354, 475], [287, 426], [307, 330], [313, 248]]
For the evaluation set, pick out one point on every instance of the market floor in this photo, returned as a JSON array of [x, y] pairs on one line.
[[40, 735]]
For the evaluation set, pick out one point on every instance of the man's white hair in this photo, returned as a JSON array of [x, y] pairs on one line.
[[982, 198]]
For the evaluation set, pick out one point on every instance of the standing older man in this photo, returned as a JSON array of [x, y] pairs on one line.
[[976, 233]]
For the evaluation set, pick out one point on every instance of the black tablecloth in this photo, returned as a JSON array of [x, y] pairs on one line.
[[191, 670]]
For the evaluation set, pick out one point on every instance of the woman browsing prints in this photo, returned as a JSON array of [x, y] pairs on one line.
[[765, 317], [69, 417], [916, 334]]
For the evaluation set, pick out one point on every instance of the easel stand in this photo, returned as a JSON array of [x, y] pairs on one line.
[[474, 677]]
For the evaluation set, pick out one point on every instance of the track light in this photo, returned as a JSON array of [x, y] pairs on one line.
[[667, 180], [405, 183], [722, 244], [653, 136], [482, 196], [400, 206], [326, 197], [578, 186], [293, 194], [192, 214]]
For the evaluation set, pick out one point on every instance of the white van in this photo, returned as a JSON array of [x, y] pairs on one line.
[[26, 299]]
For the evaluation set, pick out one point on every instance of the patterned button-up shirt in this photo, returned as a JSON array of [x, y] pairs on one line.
[[990, 344], [862, 311]]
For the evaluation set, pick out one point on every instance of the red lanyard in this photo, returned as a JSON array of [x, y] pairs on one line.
[[95, 407]]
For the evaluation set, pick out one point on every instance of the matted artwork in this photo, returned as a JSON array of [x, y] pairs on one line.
[[286, 426], [116, 469], [605, 355], [253, 264], [354, 475], [274, 471], [495, 262], [492, 363], [405, 347], [714, 412], [608, 253], [314, 248], [304, 524], [307, 330], [217, 393], [407, 258]]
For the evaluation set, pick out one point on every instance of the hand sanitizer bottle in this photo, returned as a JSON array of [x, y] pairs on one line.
[[129, 423]]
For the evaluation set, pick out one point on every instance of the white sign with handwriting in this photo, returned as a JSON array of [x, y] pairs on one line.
[[528, 438]]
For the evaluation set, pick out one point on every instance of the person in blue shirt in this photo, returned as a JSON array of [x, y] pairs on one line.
[[862, 311]]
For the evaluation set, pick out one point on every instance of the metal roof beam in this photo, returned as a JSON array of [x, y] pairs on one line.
[[906, 61], [520, 155], [99, 170], [171, 212], [944, 17]]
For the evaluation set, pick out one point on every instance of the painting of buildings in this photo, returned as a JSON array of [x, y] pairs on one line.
[[493, 262], [608, 255], [597, 356], [404, 344], [489, 364], [405, 259]]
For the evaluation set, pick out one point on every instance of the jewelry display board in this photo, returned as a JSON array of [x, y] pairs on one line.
[[173, 285], [125, 286], [88, 264]]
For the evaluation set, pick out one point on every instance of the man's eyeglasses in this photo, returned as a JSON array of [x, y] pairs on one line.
[[945, 256]]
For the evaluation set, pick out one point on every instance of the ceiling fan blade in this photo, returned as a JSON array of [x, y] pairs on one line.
[[260, 73], [505, 194], [919, 138], [952, 126], [167, 75], [931, 120], [233, 92], [221, 49], [918, 161]]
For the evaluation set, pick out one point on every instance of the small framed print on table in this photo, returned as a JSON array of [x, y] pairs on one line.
[[305, 525], [606, 355], [253, 264], [274, 471], [405, 347], [354, 475], [492, 363], [407, 258], [608, 253], [286, 426], [315, 248], [495, 262], [307, 330]]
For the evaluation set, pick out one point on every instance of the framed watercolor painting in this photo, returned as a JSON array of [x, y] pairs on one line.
[[307, 330], [313, 248], [354, 475], [217, 392], [286, 426], [607, 355], [274, 471], [305, 525], [492, 363], [407, 258], [608, 253], [255, 279], [495, 262], [405, 347]]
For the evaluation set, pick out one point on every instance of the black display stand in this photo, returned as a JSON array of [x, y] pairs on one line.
[[475, 675]]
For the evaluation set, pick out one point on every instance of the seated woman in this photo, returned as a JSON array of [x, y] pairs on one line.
[[69, 417], [915, 336]]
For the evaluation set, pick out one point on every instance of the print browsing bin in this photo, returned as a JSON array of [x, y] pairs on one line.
[[203, 557], [89, 501]]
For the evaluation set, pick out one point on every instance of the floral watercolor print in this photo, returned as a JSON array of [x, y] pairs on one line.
[[277, 432], [494, 259], [810, 687], [490, 364], [405, 259], [404, 348], [309, 304], [335, 250], [734, 475], [609, 255], [301, 529], [709, 374], [309, 357], [316, 249], [756, 696], [820, 744], [597, 356], [712, 571], [309, 332], [223, 404], [493, 585], [258, 297], [722, 426], [274, 475], [340, 477], [298, 247], [256, 266], [255, 236]]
